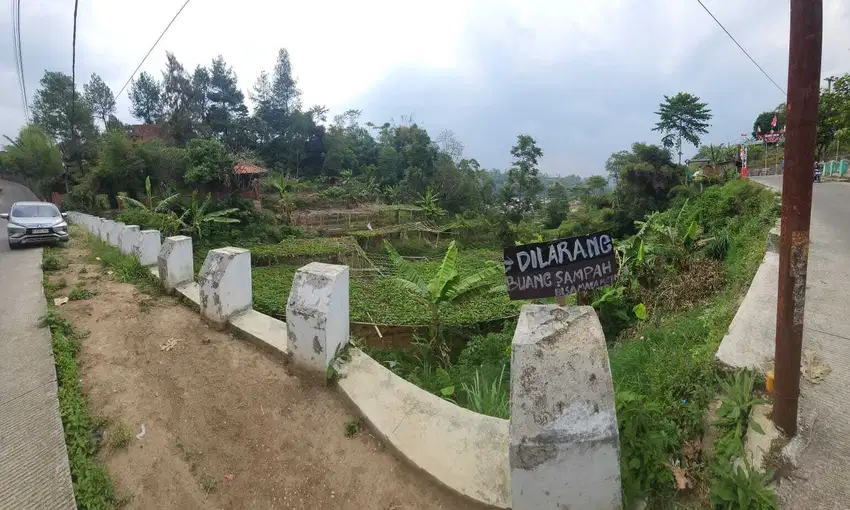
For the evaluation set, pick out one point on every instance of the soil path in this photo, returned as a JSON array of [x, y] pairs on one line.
[[226, 426]]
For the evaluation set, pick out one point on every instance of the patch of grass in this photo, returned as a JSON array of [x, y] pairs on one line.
[[83, 270], [120, 437], [79, 293], [53, 260], [208, 483], [125, 268], [93, 487], [383, 300], [49, 288], [352, 428], [62, 283]]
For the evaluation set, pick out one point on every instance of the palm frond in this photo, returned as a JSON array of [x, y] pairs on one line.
[[403, 268], [166, 202], [219, 219], [478, 284], [412, 287], [445, 275], [132, 202], [223, 212]]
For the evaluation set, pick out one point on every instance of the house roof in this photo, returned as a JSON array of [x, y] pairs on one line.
[[144, 130], [245, 168]]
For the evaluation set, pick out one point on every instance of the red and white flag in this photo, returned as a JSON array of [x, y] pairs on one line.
[[773, 122]]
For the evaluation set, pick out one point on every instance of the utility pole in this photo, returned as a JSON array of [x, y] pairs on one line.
[[829, 83], [804, 65]]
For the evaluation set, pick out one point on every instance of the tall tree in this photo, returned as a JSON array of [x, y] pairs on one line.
[[647, 174], [56, 108], [523, 187], [285, 94], [146, 99], [833, 113], [100, 98], [200, 100], [682, 117], [226, 101], [450, 144], [177, 98]]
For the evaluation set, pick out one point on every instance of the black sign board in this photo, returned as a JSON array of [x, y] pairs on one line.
[[561, 267]]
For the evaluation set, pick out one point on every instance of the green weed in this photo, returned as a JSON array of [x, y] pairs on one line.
[[79, 293], [93, 487], [125, 268], [120, 437], [52, 260], [493, 399], [208, 483], [352, 428]]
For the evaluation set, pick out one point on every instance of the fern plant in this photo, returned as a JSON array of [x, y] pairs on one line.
[[446, 286]]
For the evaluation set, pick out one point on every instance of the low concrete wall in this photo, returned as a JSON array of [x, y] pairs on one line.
[[465, 451], [225, 284], [127, 239], [749, 343]]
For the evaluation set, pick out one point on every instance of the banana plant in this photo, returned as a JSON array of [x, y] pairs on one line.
[[446, 286], [195, 216], [161, 207]]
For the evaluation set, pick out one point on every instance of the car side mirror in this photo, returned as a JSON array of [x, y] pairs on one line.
[[64, 215], [5, 216]]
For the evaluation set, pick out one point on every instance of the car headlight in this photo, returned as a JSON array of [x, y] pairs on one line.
[[16, 229], [62, 227]]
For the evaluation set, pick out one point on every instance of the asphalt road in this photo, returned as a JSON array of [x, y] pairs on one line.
[[33, 460], [822, 479]]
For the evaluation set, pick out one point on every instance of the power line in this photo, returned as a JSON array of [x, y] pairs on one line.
[[152, 48], [742, 48], [16, 53], [21, 64]]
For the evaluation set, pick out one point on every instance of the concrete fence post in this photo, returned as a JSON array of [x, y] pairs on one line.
[[114, 232], [146, 249], [106, 227], [175, 263], [127, 239], [317, 312], [564, 442], [225, 284]]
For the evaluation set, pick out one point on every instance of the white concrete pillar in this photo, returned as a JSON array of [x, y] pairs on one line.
[[114, 233], [317, 318], [127, 239], [106, 227], [225, 284], [564, 442], [175, 262], [146, 249]]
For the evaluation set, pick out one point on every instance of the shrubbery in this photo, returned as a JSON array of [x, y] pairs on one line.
[[167, 223]]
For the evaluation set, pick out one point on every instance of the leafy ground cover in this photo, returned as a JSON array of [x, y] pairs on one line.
[[382, 300]]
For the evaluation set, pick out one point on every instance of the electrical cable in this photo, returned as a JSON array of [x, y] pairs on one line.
[[742, 48], [152, 48]]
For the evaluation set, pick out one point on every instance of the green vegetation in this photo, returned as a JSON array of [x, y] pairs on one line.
[[120, 437], [352, 428], [384, 300], [52, 260], [92, 485], [734, 482], [125, 268], [79, 293]]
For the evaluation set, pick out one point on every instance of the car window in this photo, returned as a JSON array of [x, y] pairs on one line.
[[35, 211]]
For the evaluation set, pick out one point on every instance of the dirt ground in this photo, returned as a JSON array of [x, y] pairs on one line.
[[225, 425]]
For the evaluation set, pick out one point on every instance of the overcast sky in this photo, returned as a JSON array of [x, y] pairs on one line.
[[583, 78]]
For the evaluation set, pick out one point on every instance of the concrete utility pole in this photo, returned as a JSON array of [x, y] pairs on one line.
[[829, 83], [804, 65]]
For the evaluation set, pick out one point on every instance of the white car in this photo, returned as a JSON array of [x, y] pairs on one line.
[[35, 223]]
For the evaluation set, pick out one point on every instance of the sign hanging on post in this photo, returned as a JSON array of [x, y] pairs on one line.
[[561, 267]]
